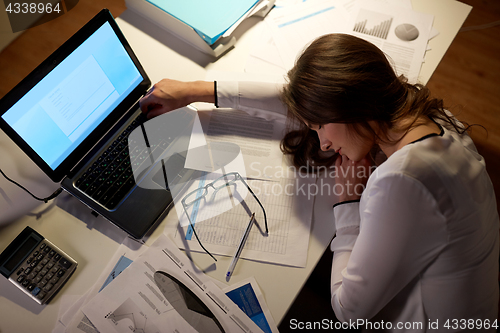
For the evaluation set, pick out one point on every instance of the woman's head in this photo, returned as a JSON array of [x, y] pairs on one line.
[[343, 79]]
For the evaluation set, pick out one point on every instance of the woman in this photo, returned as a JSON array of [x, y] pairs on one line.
[[418, 250]]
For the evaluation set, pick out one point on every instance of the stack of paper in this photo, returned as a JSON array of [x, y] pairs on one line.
[[210, 19], [392, 25], [129, 297], [207, 25]]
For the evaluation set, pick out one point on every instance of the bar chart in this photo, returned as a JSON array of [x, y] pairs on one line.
[[373, 24]]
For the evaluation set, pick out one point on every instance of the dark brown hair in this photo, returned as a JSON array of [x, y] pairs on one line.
[[340, 78]]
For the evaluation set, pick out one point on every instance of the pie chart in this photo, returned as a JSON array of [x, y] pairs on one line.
[[406, 32]]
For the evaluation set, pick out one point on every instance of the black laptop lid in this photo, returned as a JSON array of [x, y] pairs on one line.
[[66, 105]]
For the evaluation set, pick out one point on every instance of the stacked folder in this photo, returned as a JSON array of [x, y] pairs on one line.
[[207, 25]]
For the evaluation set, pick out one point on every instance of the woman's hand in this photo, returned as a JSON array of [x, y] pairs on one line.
[[168, 95], [352, 176]]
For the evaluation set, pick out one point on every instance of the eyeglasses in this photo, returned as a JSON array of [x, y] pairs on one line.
[[195, 196]]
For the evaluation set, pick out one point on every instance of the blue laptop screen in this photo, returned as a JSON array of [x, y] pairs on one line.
[[58, 113]]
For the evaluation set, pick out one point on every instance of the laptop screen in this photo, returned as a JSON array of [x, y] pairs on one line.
[[63, 108]]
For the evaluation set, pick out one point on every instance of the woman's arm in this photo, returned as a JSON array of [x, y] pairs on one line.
[[168, 95], [259, 99]]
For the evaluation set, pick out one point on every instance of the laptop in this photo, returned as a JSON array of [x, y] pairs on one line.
[[73, 115]]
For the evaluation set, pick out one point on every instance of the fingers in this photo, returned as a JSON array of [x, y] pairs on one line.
[[153, 105], [147, 102]]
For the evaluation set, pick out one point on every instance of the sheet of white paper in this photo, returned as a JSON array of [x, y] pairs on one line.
[[294, 29], [133, 301], [350, 5], [247, 295], [73, 319], [401, 33], [257, 138], [288, 204]]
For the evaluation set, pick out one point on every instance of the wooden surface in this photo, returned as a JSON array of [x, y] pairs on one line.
[[468, 79]]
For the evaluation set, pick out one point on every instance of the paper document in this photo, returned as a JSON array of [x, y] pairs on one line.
[[401, 33], [135, 302], [210, 19], [295, 27], [392, 25], [247, 295], [288, 203], [257, 138], [73, 319]]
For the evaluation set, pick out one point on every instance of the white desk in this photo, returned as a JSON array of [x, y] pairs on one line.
[[162, 55]]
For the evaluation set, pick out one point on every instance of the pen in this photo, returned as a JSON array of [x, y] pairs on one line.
[[240, 247]]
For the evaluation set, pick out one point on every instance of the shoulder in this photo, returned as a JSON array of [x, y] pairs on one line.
[[447, 167]]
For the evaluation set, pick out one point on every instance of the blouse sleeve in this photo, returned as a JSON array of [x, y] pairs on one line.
[[382, 244], [260, 99]]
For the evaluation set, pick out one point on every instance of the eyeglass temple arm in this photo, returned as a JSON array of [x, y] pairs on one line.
[[199, 242], [194, 230], [258, 201]]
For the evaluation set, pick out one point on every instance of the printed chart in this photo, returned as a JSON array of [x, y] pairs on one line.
[[129, 315], [373, 23]]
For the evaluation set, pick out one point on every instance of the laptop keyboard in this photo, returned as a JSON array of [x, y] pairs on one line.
[[111, 177]]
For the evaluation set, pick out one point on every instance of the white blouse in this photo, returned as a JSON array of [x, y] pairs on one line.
[[419, 252], [421, 247]]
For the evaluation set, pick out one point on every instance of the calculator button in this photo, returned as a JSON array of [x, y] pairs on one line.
[[44, 262], [52, 253], [25, 283], [54, 270], [65, 263], [20, 271], [28, 270], [37, 279], [39, 257], [57, 257], [29, 260], [35, 253], [48, 287], [61, 273], [41, 295], [35, 291], [43, 272], [42, 283], [49, 276], [42, 246], [20, 279], [54, 280], [47, 249], [31, 287], [31, 276], [34, 263], [50, 265]]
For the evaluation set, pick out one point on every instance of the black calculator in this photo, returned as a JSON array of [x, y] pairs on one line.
[[36, 266]]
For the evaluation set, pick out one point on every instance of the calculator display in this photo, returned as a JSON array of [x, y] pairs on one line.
[[21, 253]]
